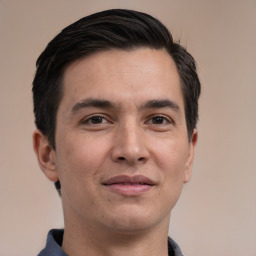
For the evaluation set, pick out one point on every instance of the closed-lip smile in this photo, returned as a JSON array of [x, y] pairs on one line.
[[129, 185]]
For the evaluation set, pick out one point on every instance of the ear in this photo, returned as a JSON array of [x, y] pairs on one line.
[[190, 160], [46, 155]]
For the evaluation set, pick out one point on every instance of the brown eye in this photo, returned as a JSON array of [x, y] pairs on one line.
[[96, 120], [158, 120]]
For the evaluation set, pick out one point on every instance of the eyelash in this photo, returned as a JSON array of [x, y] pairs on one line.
[[165, 120], [89, 121]]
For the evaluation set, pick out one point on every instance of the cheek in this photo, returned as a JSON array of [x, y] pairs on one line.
[[172, 158], [79, 158], [79, 165], [171, 154]]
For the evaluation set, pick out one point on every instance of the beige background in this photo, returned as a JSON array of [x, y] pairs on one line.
[[216, 214]]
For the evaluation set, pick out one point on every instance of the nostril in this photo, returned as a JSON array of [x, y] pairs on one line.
[[121, 158], [141, 159]]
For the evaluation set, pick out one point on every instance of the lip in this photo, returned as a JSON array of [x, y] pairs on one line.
[[129, 185]]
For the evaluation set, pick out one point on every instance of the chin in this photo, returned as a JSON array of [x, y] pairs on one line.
[[134, 221]]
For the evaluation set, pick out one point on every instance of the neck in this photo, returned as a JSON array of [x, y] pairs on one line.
[[84, 239]]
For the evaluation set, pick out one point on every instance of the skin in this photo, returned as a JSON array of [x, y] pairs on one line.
[[129, 135]]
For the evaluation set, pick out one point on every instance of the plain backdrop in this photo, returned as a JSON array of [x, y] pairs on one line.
[[216, 214]]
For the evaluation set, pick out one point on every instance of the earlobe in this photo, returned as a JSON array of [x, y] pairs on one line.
[[190, 160], [45, 155]]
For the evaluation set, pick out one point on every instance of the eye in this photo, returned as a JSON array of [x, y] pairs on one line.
[[160, 120], [159, 123], [95, 120]]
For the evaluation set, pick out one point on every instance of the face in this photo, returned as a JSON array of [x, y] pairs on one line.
[[122, 150]]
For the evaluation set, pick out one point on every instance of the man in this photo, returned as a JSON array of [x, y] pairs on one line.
[[116, 105]]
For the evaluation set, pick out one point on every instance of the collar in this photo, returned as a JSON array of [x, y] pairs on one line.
[[54, 242]]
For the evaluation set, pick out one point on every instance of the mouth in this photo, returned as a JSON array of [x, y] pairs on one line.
[[129, 185]]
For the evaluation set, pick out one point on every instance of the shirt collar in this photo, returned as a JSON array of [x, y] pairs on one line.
[[54, 242]]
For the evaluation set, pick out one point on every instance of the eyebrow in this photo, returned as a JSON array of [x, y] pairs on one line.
[[161, 103], [92, 103], [106, 104]]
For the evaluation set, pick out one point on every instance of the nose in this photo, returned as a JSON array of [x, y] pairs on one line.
[[129, 145]]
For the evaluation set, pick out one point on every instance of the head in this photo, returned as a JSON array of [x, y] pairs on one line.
[[118, 30], [111, 29]]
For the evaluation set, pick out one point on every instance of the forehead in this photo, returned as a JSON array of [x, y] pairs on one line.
[[122, 74]]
